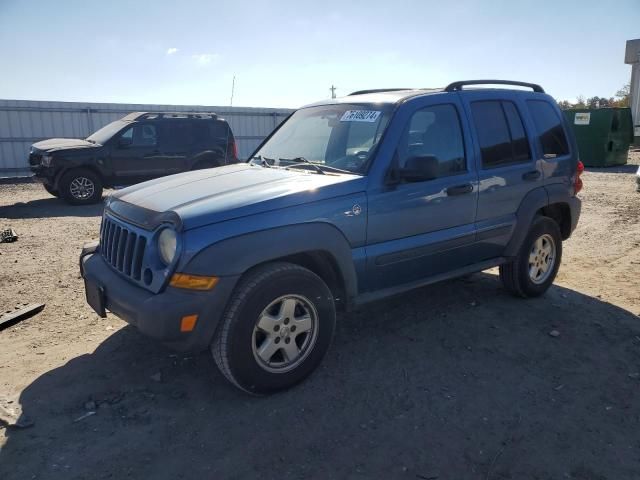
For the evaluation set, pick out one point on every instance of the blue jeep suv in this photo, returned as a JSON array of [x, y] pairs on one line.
[[348, 201]]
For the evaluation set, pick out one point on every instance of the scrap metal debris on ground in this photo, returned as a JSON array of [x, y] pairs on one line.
[[8, 236], [11, 318]]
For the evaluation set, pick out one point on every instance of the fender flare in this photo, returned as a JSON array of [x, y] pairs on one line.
[[236, 255], [531, 203]]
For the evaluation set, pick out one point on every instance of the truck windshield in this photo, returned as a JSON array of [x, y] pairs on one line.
[[339, 136], [106, 132]]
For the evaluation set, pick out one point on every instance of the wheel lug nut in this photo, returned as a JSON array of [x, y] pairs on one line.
[[276, 328], [293, 328], [277, 339], [286, 321], [287, 340]]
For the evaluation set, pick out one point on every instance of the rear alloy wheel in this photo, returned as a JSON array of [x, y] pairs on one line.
[[535, 267], [277, 328], [81, 187]]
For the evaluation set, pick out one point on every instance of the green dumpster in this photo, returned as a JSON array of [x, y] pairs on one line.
[[603, 135]]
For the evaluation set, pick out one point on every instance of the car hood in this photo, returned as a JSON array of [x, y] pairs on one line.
[[62, 144], [213, 195]]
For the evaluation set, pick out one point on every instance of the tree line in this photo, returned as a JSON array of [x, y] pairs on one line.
[[621, 99]]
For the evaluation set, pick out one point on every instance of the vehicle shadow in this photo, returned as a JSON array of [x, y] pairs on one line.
[[49, 208], [455, 381], [628, 168]]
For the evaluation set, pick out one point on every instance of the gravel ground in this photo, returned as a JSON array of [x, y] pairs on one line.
[[454, 381]]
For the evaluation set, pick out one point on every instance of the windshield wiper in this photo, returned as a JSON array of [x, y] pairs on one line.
[[302, 162], [319, 167], [264, 161]]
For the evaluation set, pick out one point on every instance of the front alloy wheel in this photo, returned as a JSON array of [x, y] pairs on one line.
[[276, 329], [285, 333]]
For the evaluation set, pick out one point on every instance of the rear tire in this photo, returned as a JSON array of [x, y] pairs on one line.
[[50, 190], [534, 269], [81, 187], [276, 329]]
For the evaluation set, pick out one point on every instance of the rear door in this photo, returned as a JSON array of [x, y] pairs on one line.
[[177, 145], [507, 168], [420, 229]]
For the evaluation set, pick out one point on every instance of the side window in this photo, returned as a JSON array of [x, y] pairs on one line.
[[177, 134], [144, 135], [128, 135], [519, 141], [549, 127], [140, 135], [435, 131], [200, 132], [501, 134]]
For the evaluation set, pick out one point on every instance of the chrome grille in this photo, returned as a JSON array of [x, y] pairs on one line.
[[122, 248]]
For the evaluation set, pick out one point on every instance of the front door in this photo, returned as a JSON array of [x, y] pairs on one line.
[[420, 229], [136, 155]]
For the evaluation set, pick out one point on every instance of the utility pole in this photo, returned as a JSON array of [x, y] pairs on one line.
[[333, 91], [233, 87]]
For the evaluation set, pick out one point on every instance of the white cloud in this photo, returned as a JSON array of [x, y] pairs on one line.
[[172, 50], [204, 59]]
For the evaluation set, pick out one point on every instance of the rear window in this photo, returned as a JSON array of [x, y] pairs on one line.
[[549, 127], [207, 131]]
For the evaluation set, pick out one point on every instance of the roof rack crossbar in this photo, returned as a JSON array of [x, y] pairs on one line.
[[163, 115], [457, 86], [377, 90]]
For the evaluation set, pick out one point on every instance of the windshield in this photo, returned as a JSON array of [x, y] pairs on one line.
[[106, 132], [338, 136]]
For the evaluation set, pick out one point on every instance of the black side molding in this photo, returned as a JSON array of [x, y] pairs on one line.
[[457, 86]]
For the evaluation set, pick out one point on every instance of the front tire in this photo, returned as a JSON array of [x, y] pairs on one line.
[[535, 267], [276, 329], [81, 187], [50, 190]]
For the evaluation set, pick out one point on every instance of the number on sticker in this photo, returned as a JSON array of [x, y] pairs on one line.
[[360, 116]]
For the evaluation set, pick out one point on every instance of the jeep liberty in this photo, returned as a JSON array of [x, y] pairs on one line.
[[348, 201]]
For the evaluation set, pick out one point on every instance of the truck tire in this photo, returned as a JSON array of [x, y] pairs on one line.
[[80, 187], [50, 190], [276, 329], [534, 269]]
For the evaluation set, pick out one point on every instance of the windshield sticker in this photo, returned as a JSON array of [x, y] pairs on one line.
[[360, 116]]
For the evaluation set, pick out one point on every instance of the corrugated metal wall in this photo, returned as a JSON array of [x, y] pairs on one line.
[[23, 122]]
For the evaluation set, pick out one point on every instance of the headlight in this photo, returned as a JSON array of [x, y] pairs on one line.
[[46, 160], [167, 245]]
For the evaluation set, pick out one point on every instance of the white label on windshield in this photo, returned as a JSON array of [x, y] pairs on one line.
[[360, 116]]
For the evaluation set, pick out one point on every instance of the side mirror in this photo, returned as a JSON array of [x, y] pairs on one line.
[[124, 142], [419, 169]]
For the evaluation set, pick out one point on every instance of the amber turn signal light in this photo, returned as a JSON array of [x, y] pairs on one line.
[[193, 282]]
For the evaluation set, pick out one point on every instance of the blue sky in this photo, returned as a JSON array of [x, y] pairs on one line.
[[288, 53]]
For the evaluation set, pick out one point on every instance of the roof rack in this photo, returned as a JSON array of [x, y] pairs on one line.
[[169, 115], [457, 86], [378, 90]]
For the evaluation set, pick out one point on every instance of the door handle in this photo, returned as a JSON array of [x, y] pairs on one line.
[[460, 189], [530, 176]]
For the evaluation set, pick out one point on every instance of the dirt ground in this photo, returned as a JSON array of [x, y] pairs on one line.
[[454, 381]]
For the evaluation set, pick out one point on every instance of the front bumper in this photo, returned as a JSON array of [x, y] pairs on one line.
[[158, 315], [46, 175]]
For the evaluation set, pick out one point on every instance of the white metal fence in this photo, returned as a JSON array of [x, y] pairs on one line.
[[23, 122]]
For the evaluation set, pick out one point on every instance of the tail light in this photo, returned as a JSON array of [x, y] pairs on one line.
[[577, 182], [233, 146]]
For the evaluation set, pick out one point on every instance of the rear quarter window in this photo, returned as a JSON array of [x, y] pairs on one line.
[[549, 128]]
